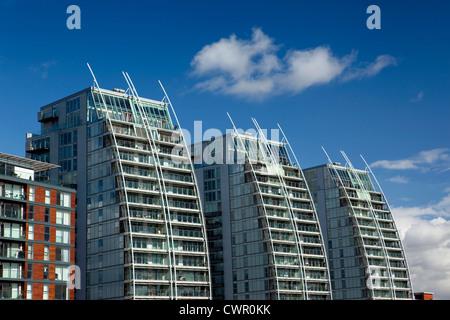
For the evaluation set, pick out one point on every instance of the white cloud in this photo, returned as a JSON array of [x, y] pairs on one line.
[[371, 69], [395, 164], [310, 67], [43, 68], [435, 158], [253, 68], [418, 97], [425, 232], [399, 179]]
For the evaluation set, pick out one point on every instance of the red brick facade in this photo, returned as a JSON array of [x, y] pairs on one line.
[[39, 225]]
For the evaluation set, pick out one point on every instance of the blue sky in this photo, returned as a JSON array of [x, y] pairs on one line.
[[382, 93]]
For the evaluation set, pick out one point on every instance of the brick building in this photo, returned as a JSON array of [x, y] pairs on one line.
[[37, 232]]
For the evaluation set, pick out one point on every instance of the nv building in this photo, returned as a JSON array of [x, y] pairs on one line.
[[264, 237], [140, 228], [365, 253], [37, 232]]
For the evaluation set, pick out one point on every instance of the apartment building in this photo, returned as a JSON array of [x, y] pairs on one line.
[[37, 232]]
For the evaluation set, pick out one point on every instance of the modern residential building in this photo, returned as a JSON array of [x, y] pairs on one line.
[[365, 253], [37, 232], [264, 237], [140, 228]]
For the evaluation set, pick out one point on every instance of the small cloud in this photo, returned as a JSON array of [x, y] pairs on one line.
[[444, 170], [42, 69], [371, 69], [418, 97], [425, 160], [253, 68], [399, 179], [395, 164]]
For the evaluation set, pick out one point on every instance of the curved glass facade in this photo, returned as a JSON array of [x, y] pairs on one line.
[[271, 246], [367, 260], [145, 231]]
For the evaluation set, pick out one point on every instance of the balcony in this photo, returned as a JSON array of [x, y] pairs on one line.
[[148, 230], [15, 234], [44, 116], [183, 205], [38, 146], [11, 213], [186, 219], [192, 292], [187, 233]]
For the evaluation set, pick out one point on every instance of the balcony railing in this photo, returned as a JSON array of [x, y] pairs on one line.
[[49, 115], [11, 213]]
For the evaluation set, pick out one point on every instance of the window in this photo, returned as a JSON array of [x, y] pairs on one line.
[[31, 193], [13, 191], [64, 199], [47, 234], [29, 271], [30, 251], [62, 254], [63, 217], [45, 292], [30, 232], [62, 236], [11, 270], [60, 292], [210, 196], [72, 105], [46, 272], [47, 196], [61, 273], [30, 212], [47, 215], [46, 253], [11, 230], [29, 291]]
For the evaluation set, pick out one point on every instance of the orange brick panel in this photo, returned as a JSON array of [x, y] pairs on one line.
[[38, 251], [39, 194], [37, 291], [39, 232]]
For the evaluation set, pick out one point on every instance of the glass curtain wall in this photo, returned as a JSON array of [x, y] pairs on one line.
[[278, 251], [146, 235], [366, 253]]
